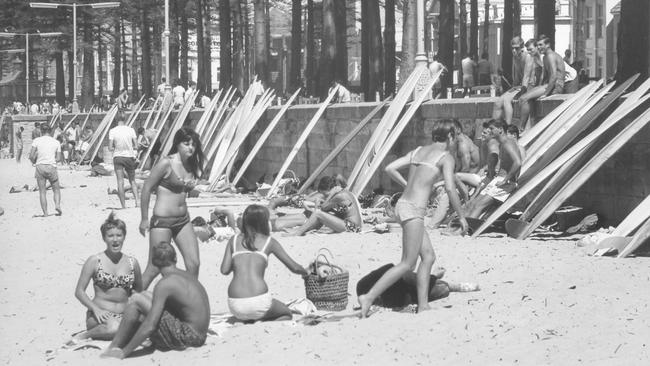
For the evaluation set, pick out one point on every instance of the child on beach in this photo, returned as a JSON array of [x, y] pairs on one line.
[[115, 277], [247, 256]]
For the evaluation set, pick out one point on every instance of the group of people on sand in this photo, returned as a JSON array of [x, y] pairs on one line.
[[177, 313]]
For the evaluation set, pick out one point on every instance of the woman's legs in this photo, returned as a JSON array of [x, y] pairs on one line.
[[288, 221], [156, 235], [189, 248], [319, 218], [427, 257], [413, 231], [99, 331], [278, 311]]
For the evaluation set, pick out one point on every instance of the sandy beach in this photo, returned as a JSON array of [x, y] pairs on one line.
[[541, 301]]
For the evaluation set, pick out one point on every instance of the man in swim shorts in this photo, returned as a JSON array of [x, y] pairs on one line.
[[176, 315], [122, 140], [46, 151]]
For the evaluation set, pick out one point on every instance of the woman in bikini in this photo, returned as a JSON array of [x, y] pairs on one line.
[[247, 257], [426, 165], [340, 212], [115, 276], [173, 177]]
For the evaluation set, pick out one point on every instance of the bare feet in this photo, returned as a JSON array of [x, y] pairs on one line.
[[58, 212], [43, 215], [439, 272], [292, 233], [464, 287], [113, 352], [423, 307], [365, 303]]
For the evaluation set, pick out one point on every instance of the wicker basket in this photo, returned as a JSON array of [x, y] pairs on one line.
[[329, 292]]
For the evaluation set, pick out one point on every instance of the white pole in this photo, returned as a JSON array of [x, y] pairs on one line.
[[75, 105], [166, 44], [27, 70]]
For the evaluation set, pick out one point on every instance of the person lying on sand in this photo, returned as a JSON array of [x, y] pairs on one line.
[[340, 212], [176, 316], [404, 292], [309, 201], [115, 276], [246, 256], [127, 188], [222, 225]]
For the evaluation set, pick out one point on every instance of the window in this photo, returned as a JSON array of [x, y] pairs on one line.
[[599, 66], [599, 21]]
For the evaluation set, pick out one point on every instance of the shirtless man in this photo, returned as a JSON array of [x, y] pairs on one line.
[[503, 181], [176, 316], [513, 133], [503, 104]]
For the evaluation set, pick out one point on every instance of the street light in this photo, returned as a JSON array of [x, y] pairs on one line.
[[50, 34], [104, 5]]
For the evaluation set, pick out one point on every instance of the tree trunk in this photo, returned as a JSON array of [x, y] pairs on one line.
[[506, 54], [261, 45], [116, 57], [156, 45], [580, 41], [135, 82], [225, 55], [295, 81], [207, 47], [633, 40], [462, 38], [174, 9], [200, 46], [486, 27], [341, 60], [326, 68], [516, 18], [248, 50], [375, 52], [446, 42], [145, 44], [389, 48], [88, 81], [310, 50], [60, 77], [100, 61], [365, 54], [72, 90], [184, 45], [545, 19], [238, 46], [125, 67], [473, 28], [409, 40]]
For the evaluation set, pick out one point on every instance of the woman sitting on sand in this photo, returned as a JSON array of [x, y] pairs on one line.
[[426, 165], [340, 212], [172, 178], [115, 276], [247, 257], [307, 202]]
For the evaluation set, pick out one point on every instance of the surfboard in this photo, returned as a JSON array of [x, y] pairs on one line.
[[83, 125], [337, 150], [265, 135], [584, 173], [634, 219], [102, 136], [641, 236], [301, 140], [103, 125], [386, 123], [362, 181], [178, 123], [632, 101]]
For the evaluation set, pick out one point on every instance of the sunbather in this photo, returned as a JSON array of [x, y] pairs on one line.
[[247, 256], [115, 276], [307, 202]]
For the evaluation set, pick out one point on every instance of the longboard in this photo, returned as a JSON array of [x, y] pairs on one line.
[[103, 125], [565, 171], [301, 140], [98, 142], [634, 219], [180, 119], [585, 172], [158, 127], [337, 150], [386, 123], [641, 236], [262, 139], [634, 99], [362, 181]]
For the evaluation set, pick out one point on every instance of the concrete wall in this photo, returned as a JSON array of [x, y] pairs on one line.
[[612, 192]]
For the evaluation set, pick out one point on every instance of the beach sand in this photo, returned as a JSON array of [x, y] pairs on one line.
[[541, 301]]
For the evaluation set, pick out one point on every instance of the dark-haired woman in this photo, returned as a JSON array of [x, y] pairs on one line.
[[247, 257], [426, 165], [115, 276], [172, 178]]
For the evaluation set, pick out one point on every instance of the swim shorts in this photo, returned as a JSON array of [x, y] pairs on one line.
[[47, 172], [173, 334], [498, 193], [128, 164]]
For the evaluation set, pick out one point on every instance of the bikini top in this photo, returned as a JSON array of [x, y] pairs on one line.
[[261, 252], [425, 163], [174, 184], [107, 281]]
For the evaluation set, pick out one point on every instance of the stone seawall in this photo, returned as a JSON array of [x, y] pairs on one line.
[[612, 192]]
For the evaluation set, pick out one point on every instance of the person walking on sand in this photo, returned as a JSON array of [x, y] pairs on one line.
[[115, 277], [174, 317], [247, 256], [426, 164], [19, 144], [122, 141], [46, 151], [173, 177]]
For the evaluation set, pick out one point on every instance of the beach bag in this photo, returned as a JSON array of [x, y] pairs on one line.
[[326, 285]]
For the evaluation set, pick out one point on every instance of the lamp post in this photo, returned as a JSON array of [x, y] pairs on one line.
[[51, 34], [114, 4], [166, 39], [420, 56]]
